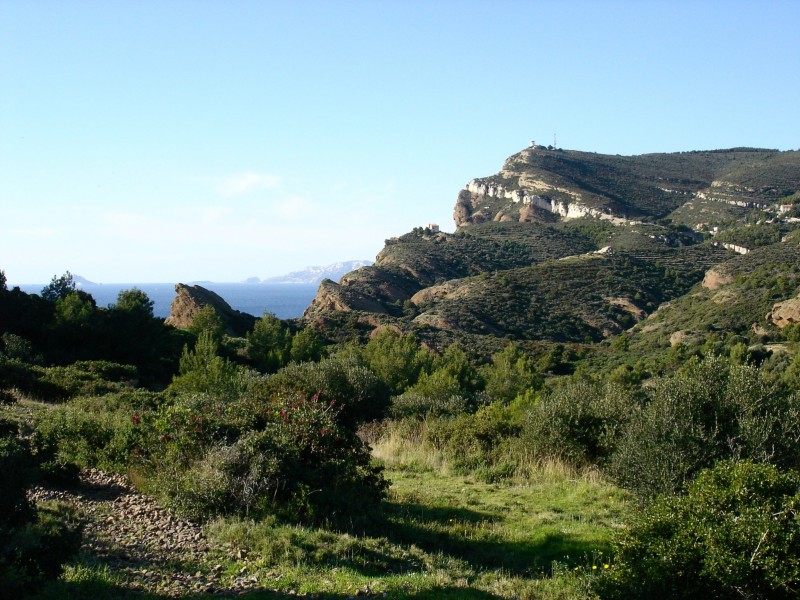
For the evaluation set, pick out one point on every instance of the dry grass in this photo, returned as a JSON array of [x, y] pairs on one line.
[[406, 445]]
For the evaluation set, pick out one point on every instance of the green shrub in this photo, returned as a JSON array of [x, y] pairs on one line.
[[192, 423], [269, 344], [439, 384], [72, 434], [510, 374], [413, 404], [356, 392], [396, 359], [36, 551], [579, 421], [14, 346], [17, 472], [307, 346], [28, 379], [299, 462], [735, 534], [203, 371], [34, 543], [475, 441], [457, 364], [90, 378], [709, 411]]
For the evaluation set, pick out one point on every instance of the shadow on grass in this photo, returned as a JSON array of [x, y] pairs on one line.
[[439, 529], [107, 591]]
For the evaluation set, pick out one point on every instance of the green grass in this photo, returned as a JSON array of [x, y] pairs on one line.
[[442, 535]]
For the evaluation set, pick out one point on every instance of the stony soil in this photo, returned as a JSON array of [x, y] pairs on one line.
[[149, 547]]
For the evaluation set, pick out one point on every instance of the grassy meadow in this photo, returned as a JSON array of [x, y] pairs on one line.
[[542, 534]]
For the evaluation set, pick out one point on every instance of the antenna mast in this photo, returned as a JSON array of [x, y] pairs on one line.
[[554, 141]]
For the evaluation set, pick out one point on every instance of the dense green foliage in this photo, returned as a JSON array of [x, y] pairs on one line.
[[709, 411], [580, 421], [65, 325], [283, 454], [356, 393], [734, 534], [581, 299], [34, 542]]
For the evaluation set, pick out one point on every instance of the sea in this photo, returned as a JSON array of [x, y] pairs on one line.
[[284, 300]]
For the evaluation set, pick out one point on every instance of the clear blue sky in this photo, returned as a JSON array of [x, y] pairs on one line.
[[145, 141]]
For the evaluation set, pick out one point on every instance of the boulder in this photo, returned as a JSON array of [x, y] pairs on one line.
[[715, 279], [785, 313], [191, 299]]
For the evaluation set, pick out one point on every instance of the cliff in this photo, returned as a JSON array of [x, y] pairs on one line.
[[572, 185]]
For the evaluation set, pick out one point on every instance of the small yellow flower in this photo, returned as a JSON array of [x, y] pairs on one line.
[[605, 566], [594, 567]]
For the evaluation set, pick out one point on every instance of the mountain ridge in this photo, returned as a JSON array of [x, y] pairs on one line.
[[314, 275], [656, 217]]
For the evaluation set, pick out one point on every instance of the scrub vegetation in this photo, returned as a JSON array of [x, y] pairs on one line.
[[524, 410]]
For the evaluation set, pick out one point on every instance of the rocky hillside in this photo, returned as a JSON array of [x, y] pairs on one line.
[[572, 184], [572, 246], [751, 293]]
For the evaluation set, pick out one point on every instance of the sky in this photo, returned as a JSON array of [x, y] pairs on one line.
[[175, 141]]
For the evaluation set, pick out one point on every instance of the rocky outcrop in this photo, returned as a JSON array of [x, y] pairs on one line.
[[334, 297], [628, 306], [435, 292], [191, 299], [715, 278], [495, 274], [470, 204], [785, 313]]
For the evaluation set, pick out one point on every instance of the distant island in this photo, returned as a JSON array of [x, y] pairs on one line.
[[81, 281], [314, 275]]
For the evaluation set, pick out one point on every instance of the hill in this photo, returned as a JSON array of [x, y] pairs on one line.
[[571, 246]]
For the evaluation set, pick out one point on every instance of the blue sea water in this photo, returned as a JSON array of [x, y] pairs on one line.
[[286, 301]]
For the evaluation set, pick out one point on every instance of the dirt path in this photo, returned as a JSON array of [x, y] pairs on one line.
[[149, 547]]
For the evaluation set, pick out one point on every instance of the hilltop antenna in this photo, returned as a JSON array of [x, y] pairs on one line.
[[554, 141]]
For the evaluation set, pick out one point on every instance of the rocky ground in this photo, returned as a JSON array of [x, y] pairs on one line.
[[147, 546]]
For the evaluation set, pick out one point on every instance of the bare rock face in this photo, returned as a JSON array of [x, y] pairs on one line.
[[191, 299], [462, 213], [786, 312], [715, 279], [431, 294], [688, 338]]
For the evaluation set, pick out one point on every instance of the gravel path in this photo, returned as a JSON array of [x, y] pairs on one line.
[[149, 547]]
